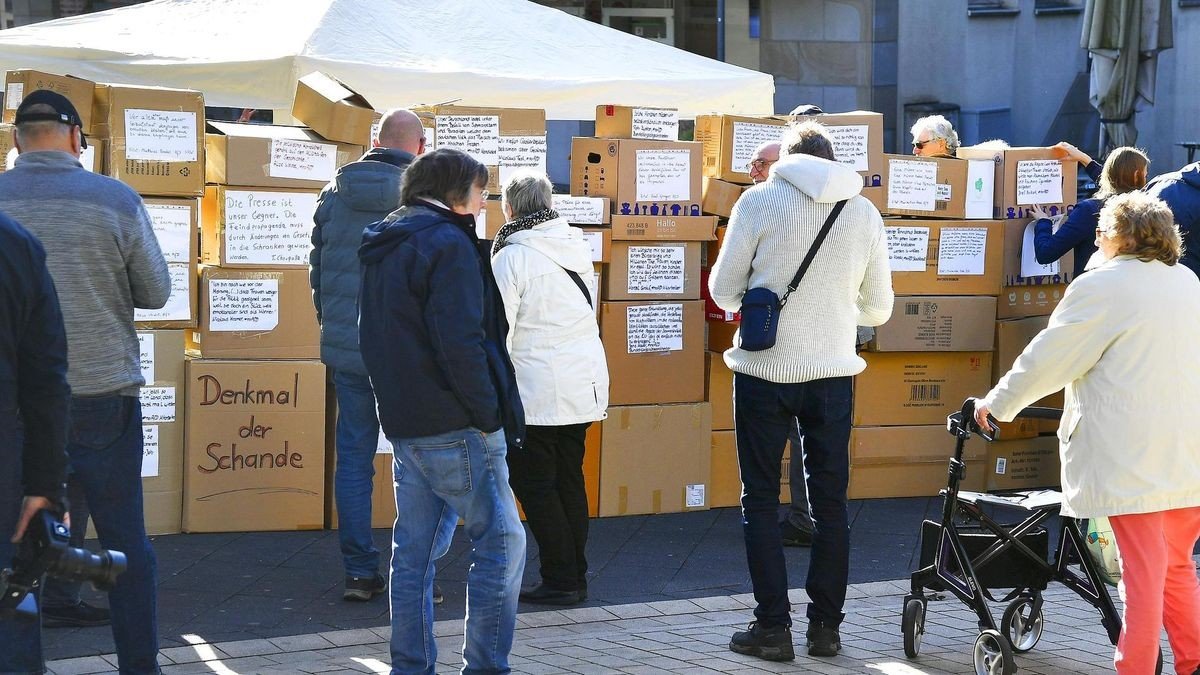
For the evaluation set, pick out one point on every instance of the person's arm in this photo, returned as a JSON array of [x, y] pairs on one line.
[[149, 278], [314, 254], [731, 272], [510, 286], [454, 319], [1068, 151], [1093, 169], [1070, 345], [875, 294], [1080, 226]]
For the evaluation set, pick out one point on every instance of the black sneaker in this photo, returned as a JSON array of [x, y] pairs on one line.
[[81, 615], [822, 640], [794, 536], [361, 589], [438, 598], [773, 643], [542, 594]]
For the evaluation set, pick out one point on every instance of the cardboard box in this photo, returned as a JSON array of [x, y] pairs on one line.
[[664, 228], [725, 484], [718, 390], [599, 272], [80, 92], [938, 187], [655, 351], [932, 257], [647, 178], [1020, 464], [722, 335], [175, 223], [720, 196], [878, 197], [670, 478], [256, 314], [600, 239], [909, 461], [257, 227], [255, 452], [938, 324], [914, 388], [1027, 176], [164, 403], [1022, 427], [730, 140], [623, 121], [582, 210], [155, 138], [1020, 266], [1012, 336], [333, 110], [503, 139], [264, 155], [713, 248], [653, 271], [911, 479], [1023, 301]]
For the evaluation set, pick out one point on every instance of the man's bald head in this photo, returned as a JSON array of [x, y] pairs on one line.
[[401, 129]]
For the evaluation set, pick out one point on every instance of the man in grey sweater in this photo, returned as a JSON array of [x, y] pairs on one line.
[[105, 261]]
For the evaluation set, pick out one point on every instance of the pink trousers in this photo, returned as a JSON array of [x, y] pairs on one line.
[[1159, 588]]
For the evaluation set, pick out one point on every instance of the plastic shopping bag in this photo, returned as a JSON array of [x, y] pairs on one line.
[[1102, 547]]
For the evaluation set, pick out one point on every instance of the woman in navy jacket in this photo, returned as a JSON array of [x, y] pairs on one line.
[[1124, 171]]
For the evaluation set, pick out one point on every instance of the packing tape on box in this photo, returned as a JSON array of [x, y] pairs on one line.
[[625, 414], [656, 501], [622, 500]]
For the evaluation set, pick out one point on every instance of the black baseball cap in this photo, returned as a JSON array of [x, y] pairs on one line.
[[64, 111]]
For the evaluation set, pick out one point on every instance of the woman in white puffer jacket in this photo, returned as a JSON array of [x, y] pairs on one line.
[[543, 268]]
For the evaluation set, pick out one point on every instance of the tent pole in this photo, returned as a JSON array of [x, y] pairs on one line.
[[1103, 140]]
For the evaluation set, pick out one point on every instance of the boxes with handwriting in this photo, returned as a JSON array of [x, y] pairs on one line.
[[938, 187], [80, 92], [156, 138], [163, 405], [857, 139], [647, 178], [255, 448], [939, 257], [263, 155], [502, 139], [646, 123], [653, 271], [582, 210], [655, 351], [1021, 266], [175, 223], [1029, 176], [730, 140], [256, 227], [332, 109], [256, 314]]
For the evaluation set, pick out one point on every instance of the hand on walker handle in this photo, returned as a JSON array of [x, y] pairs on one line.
[[981, 415]]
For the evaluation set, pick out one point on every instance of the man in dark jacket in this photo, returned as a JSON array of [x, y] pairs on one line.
[[362, 193], [33, 397], [432, 331], [1181, 191]]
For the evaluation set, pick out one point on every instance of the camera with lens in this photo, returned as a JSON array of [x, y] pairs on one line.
[[46, 550]]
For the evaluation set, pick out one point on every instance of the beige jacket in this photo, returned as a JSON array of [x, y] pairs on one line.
[[1124, 344]]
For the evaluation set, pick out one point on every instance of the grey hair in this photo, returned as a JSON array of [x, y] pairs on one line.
[[807, 138], [30, 131], [528, 192], [938, 127]]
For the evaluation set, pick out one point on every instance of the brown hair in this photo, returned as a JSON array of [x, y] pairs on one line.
[[1121, 172], [1144, 226], [808, 138], [446, 175]]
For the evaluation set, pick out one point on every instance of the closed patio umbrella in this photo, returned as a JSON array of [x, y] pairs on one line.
[[1124, 38]]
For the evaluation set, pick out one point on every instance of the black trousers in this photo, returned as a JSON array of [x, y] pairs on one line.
[[547, 478]]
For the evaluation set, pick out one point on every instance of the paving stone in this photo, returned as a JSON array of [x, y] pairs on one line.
[[84, 665]]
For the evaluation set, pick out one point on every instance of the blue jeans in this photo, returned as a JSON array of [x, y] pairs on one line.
[[20, 641], [357, 436], [439, 478], [763, 412], [105, 451]]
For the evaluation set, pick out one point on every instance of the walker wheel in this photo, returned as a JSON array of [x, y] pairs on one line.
[[1022, 628], [913, 626], [993, 654]]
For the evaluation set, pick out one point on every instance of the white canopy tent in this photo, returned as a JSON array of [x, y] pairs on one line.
[[396, 53]]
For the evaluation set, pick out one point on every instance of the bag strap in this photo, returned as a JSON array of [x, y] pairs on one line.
[[812, 250], [582, 287]]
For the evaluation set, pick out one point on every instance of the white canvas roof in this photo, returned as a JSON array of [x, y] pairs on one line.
[[396, 53]]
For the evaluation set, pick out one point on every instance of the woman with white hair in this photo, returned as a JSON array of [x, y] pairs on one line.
[[543, 268], [934, 136]]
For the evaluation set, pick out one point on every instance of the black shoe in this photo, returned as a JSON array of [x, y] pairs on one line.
[[544, 595], [773, 643], [361, 589], [438, 598], [582, 591], [81, 615], [794, 536], [822, 640]]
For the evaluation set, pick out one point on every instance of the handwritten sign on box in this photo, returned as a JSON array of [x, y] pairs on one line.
[[243, 304], [654, 328], [908, 248], [163, 135], [158, 404], [172, 225], [521, 152], [911, 185], [656, 269], [305, 160], [268, 228], [179, 303], [146, 355], [664, 175], [1039, 181], [656, 124], [579, 210], [149, 450], [850, 145], [962, 251], [746, 137], [476, 135]]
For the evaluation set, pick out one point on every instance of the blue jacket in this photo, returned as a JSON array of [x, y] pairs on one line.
[[432, 328], [361, 193], [1078, 231], [1181, 191], [33, 370]]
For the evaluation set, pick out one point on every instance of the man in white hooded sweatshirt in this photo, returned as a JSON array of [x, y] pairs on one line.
[[806, 376]]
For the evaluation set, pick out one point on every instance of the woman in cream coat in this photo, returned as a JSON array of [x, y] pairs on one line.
[[1123, 343]]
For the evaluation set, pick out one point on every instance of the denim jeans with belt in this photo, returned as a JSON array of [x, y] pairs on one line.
[[763, 412], [439, 478], [356, 436], [105, 451]]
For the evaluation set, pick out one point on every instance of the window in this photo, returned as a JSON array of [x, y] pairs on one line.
[[984, 8], [1056, 7]]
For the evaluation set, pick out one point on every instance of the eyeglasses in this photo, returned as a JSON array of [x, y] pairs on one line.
[[762, 164], [920, 145], [484, 194], [1101, 230]]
